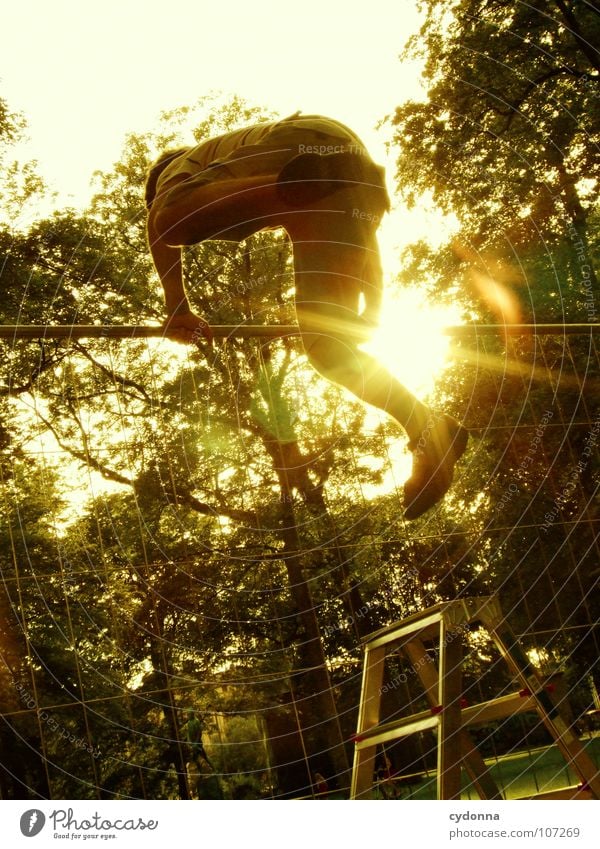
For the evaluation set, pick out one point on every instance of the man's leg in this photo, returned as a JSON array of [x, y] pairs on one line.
[[329, 281], [330, 276]]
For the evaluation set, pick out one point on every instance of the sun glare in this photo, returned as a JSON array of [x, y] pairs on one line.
[[411, 344], [410, 341]]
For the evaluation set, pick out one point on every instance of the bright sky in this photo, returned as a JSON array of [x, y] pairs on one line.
[[86, 73]]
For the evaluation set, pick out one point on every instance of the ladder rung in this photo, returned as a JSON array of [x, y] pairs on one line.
[[426, 623], [394, 730], [577, 791], [497, 709], [424, 720], [425, 627]]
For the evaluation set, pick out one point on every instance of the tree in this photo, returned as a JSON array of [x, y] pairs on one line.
[[193, 445], [507, 139]]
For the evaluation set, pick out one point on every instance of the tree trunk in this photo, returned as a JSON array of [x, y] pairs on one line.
[[176, 754], [323, 726]]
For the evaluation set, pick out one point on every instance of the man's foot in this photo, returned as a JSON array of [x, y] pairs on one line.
[[441, 445], [310, 177]]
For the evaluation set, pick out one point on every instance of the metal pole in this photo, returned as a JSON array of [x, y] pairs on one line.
[[521, 329], [136, 331], [247, 331]]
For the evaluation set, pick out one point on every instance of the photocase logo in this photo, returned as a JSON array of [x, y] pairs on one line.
[[32, 822]]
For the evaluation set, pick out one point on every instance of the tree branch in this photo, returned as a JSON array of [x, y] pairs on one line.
[[185, 498], [44, 364], [515, 106], [85, 456], [116, 378], [573, 27], [188, 500]]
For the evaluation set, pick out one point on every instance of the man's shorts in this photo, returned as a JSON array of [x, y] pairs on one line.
[[266, 149]]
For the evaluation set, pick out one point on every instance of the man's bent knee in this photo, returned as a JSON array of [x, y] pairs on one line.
[[328, 354], [327, 328], [163, 225]]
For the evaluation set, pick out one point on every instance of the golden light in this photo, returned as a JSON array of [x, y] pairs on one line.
[[411, 344], [492, 280], [410, 340]]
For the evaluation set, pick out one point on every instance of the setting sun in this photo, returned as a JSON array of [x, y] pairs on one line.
[[410, 340], [411, 343]]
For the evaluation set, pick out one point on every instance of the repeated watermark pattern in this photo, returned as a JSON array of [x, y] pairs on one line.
[[325, 149], [402, 677], [586, 271], [512, 489], [363, 215], [573, 478], [350, 621], [58, 728], [240, 290]]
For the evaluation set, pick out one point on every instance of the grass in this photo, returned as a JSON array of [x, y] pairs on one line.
[[517, 775]]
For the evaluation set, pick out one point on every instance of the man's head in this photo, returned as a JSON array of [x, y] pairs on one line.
[[156, 170]]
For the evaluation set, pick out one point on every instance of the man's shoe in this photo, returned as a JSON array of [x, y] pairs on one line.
[[440, 446]]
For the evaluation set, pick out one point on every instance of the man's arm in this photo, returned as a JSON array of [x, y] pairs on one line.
[[181, 324]]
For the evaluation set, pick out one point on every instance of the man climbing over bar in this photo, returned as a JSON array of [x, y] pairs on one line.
[[312, 176]]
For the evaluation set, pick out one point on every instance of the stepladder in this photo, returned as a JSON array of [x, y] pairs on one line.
[[448, 715]]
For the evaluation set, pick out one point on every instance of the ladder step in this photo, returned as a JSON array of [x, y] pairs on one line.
[[577, 791], [424, 720], [498, 708], [388, 731], [447, 623]]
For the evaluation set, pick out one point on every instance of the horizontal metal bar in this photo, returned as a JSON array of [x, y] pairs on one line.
[[522, 329], [246, 331], [136, 331]]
